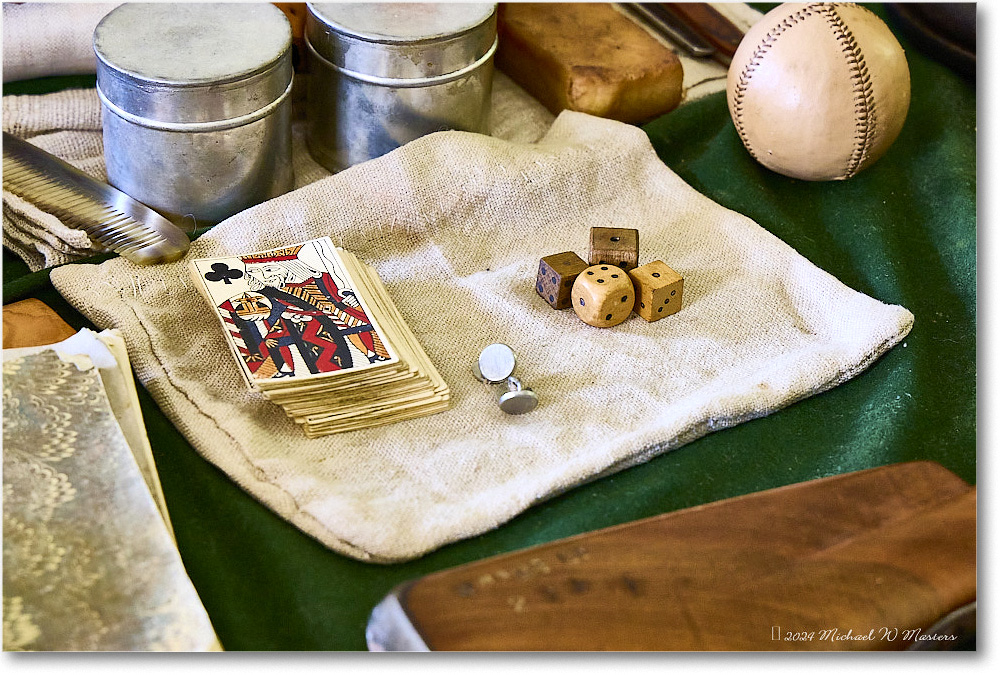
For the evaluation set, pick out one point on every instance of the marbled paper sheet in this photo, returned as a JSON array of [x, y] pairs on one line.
[[88, 563]]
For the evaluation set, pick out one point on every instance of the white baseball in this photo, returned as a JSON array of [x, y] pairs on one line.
[[818, 91]]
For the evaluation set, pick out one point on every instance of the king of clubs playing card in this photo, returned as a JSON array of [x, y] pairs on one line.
[[293, 315]]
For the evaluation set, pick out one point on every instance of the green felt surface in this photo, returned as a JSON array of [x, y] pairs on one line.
[[902, 231]]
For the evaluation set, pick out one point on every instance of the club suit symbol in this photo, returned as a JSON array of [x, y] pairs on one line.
[[222, 272]]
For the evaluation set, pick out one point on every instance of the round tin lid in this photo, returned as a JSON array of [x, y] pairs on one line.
[[402, 21], [401, 41], [193, 62]]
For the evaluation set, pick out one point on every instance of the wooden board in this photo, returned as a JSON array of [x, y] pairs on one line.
[[850, 562], [30, 323], [587, 57]]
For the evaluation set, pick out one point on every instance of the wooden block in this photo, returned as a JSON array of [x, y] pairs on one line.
[[793, 568], [587, 57], [556, 274], [603, 296], [618, 246], [30, 323], [658, 290]]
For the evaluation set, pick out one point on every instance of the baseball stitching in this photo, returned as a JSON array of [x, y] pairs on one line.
[[864, 95]]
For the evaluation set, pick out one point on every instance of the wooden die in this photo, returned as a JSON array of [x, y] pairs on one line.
[[616, 246], [556, 274], [658, 290], [603, 296]]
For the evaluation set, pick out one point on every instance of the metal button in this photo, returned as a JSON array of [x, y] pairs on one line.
[[518, 399], [495, 364]]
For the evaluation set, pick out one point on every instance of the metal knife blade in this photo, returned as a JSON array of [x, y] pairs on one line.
[[711, 24], [108, 215], [666, 23], [390, 630]]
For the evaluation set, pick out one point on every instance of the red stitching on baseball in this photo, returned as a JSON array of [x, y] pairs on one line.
[[864, 95], [739, 91]]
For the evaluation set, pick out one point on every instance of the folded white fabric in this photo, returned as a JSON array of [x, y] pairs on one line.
[[50, 38], [68, 125], [455, 224]]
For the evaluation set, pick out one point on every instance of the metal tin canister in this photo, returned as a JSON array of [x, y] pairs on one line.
[[196, 105], [383, 74]]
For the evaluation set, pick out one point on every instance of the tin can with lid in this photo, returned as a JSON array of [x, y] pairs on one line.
[[383, 74], [196, 106]]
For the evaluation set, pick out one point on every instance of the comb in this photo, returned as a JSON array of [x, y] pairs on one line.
[[108, 216]]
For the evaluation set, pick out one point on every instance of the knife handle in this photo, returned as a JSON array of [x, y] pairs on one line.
[[705, 20]]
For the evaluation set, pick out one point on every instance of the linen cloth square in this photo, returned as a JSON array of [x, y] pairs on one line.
[[455, 224]]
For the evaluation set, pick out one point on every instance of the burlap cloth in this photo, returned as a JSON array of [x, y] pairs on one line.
[[455, 224]]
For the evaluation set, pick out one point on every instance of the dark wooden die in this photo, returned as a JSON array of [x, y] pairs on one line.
[[556, 274], [618, 246]]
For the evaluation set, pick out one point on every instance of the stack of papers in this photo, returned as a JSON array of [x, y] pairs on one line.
[[89, 562]]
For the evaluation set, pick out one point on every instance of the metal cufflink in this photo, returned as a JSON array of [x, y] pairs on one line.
[[517, 399], [495, 366]]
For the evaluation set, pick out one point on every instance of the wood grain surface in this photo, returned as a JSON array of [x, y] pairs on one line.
[[850, 562]]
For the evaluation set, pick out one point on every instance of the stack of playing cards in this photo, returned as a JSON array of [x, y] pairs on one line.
[[314, 330]]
